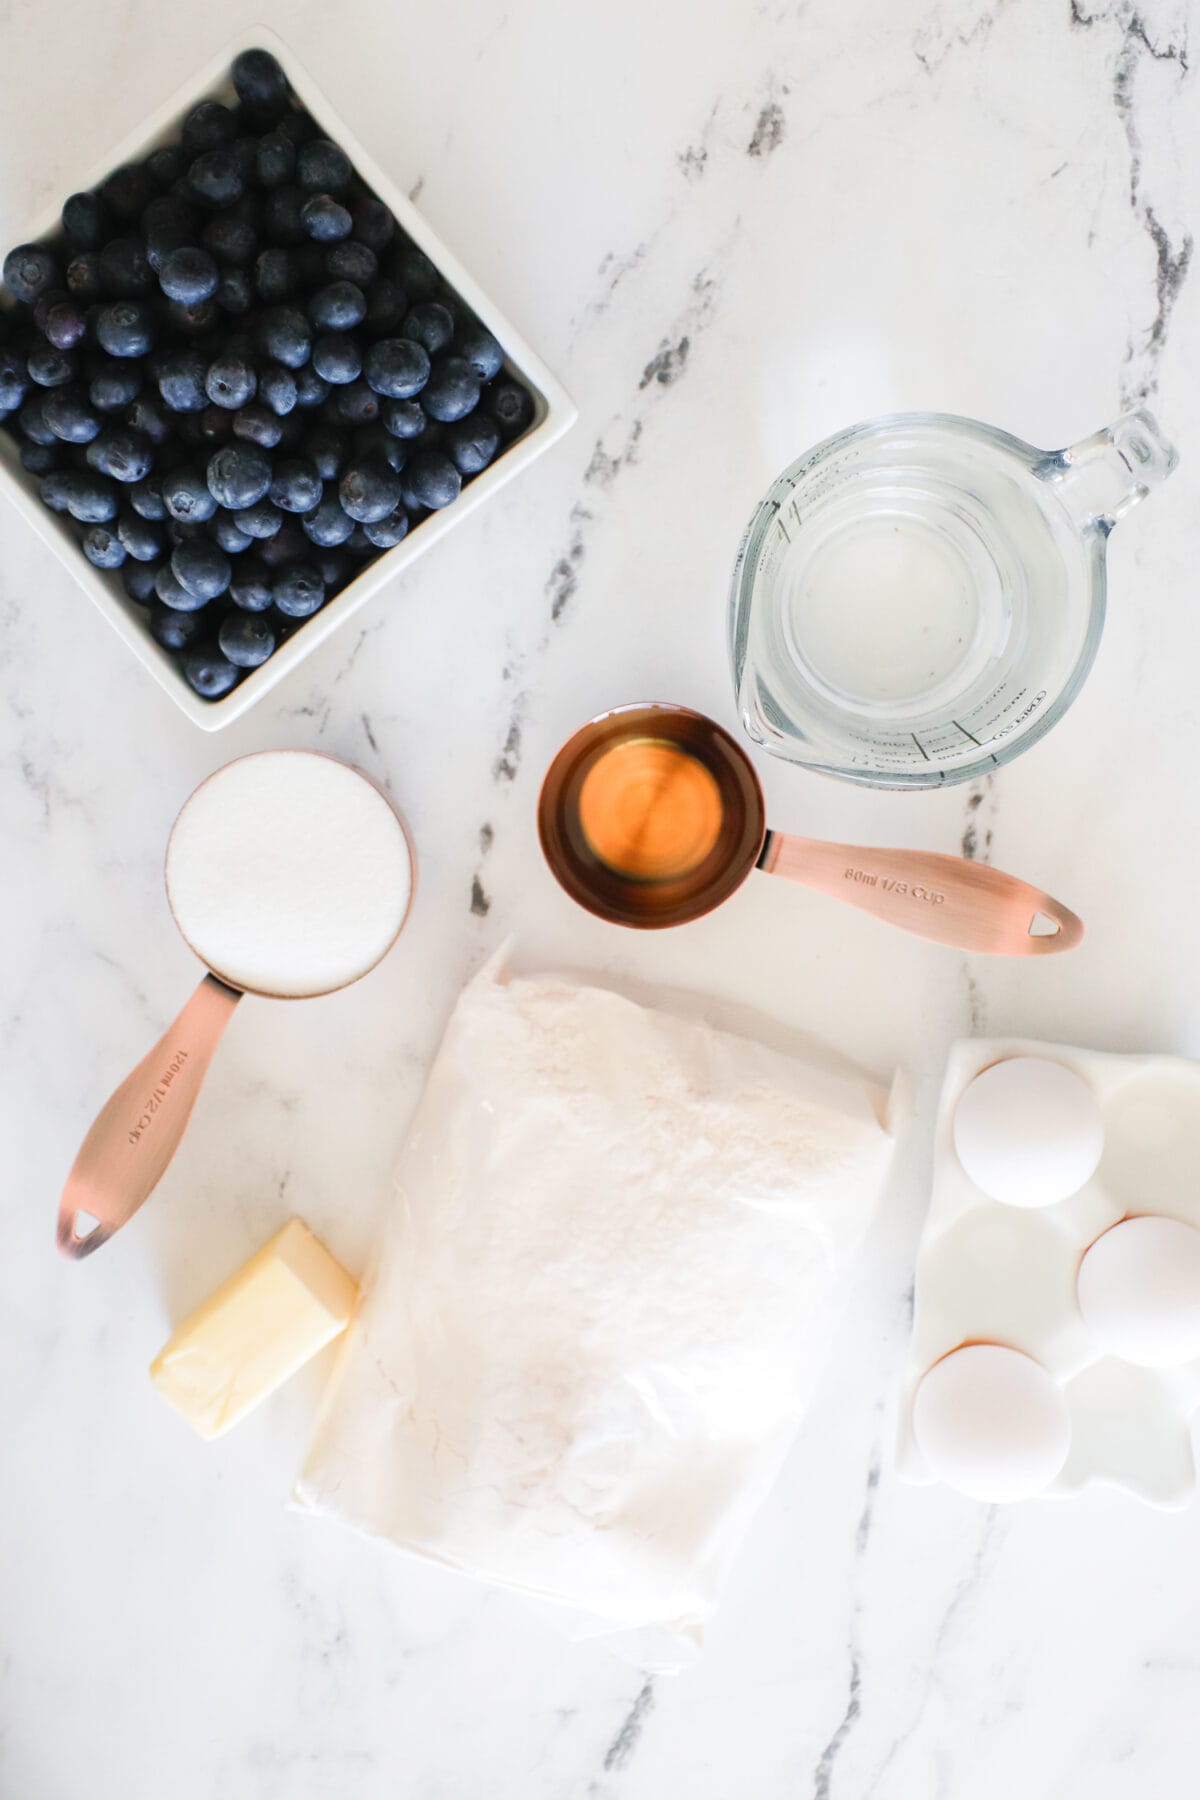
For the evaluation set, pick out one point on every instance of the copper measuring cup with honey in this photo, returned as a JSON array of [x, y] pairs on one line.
[[651, 815]]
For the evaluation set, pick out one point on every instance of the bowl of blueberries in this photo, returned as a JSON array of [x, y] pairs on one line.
[[242, 383]]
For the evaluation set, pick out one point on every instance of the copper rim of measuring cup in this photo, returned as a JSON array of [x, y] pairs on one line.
[[291, 750], [651, 904]]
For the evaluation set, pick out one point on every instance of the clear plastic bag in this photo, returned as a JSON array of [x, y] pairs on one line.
[[601, 1299]]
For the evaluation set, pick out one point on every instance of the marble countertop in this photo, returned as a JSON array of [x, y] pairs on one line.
[[729, 229]]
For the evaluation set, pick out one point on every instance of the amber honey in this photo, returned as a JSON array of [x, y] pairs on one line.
[[650, 810]]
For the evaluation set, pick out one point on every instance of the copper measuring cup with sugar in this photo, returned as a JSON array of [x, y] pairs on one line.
[[651, 815], [140, 1126]]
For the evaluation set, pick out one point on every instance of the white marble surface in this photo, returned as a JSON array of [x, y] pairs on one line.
[[729, 228]]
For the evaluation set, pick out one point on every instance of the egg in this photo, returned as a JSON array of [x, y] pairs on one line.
[[992, 1423], [1139, 1291], [1028, 1131]]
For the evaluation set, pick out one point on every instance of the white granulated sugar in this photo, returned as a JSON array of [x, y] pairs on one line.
[[288, 873], [602, 1298]]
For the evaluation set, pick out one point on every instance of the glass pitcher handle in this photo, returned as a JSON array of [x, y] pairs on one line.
[[1101, 477]]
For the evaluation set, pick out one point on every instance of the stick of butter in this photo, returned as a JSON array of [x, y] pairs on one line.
[[259, 1327]]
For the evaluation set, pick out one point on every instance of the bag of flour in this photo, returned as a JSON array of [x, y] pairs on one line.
[[616, 1256]]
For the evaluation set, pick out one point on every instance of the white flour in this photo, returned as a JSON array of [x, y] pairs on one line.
[[288, 873], [602, 1298]]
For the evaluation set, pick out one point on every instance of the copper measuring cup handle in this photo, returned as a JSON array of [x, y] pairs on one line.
[[138, 1129], [945, 898]]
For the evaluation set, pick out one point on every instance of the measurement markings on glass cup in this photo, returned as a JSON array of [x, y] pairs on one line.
[[795, 512]]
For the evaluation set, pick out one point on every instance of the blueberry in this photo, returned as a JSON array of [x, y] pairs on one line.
[[257, 424], [431, 325], [235, 291], [103, 548], [337, 359], [32, 420], [40, 459], [416, 274], [260, 83], [187, 495], [125, 455], [148, 415], [142, 540], [339, 306], [328, 524], [138, 581], [245, 639], [49, 367], [180, 376], [238, 476], [230, 382], [166, 165], [510, 405], [189, 275], [452, 390], [403, 418], [386, 307], [357, 404], [374, 224], [209, 673], [397, 367], [373, 443], [295, 486], [126, 328], [283, 334], [173, 629], [369, 491], [385, 534], [171, 593], [323, 168], [225, 531], [215, 179], [208, 126], [277, 388], [431, 480], [299, 591], [69, 416], [146, 498], [28, 271], [128, 191], [477, 346], [471, 443], [84, 221], [324, 220], [202, 568], [250, 587], [298, 125], [351, 261], [193, 321], [125, 269], [288, 545], [84, 278], [14, 380], [274, 276], [276, 160], [281, 215], [56, 487], [359, 544], [230, 240], [63, 324], [262, 520], [168, 223], [114, 384], [311, 388], [326, 449], [91, 499]]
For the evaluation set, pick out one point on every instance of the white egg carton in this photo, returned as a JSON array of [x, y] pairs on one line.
[[992, 1273]]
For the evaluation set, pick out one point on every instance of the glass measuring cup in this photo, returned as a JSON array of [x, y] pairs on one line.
[[919, 598], [651, 815]]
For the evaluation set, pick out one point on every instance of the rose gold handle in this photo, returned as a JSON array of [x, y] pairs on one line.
[[945, 898], [138, 1129]]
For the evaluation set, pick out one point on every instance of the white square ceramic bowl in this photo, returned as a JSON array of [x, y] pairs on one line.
[[554, 412]]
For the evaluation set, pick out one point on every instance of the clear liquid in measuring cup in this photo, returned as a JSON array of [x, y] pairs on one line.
[[915, 593]]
